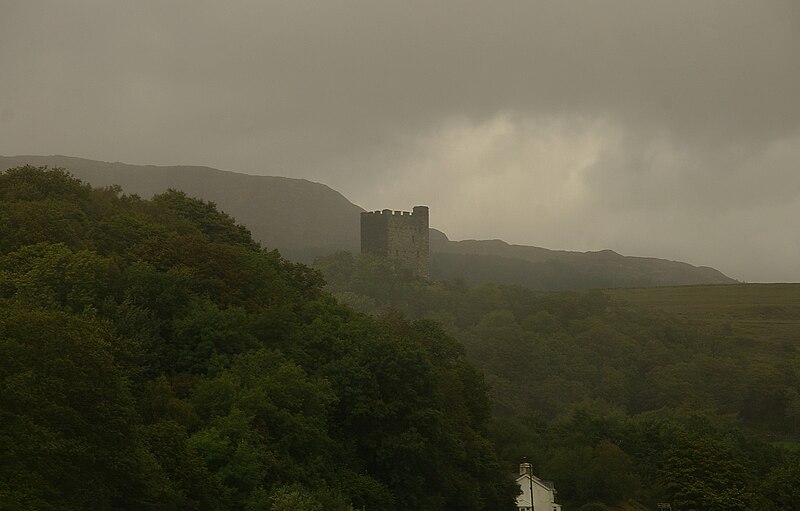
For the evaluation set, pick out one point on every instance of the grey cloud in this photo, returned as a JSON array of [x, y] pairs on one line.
[[699, 100]]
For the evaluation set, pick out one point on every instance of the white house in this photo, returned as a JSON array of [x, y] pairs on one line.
[[544, 494]]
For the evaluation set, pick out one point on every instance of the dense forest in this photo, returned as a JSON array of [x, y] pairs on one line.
[[615, 403], [153, 356]]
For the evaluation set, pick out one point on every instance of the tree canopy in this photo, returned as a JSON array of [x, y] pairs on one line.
[[617, 404], [154, 356]]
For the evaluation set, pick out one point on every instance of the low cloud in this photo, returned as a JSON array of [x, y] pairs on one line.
[[653, 128], [588, 185]]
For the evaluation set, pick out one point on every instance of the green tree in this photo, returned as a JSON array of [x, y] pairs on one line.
[[703, 473], [67, 415]]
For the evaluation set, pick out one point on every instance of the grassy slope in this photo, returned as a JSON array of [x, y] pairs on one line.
[[757, 312], [764, 319]]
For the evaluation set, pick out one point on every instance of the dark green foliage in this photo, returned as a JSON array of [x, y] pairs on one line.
[[780, 485], [67, 438], [303, 218], [701, 472], [217, 226], [618, 403], [153, 356], [549, 352], [53, 276], [622, 460]]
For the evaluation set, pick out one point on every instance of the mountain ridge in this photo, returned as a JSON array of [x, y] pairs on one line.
[[259, 202], [305, 219], [534, 266]]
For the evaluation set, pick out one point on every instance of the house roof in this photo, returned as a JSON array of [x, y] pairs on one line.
[[547, 485]]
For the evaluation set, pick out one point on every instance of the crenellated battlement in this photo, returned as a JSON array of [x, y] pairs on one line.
[[399, 235], [418, 211]]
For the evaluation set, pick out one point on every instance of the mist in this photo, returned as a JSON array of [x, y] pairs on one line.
[[661, 129]]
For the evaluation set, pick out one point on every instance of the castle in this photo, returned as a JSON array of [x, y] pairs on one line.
[[398, 235]]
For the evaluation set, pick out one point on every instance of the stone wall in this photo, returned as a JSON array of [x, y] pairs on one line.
[[398, 235]]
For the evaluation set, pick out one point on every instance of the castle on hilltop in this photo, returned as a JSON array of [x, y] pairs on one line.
[[398, 235]]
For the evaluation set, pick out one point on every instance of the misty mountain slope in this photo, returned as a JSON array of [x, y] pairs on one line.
[[304, 219], [479, 261], [300, 218]]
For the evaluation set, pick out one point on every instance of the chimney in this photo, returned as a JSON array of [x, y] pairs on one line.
[[525, 468]]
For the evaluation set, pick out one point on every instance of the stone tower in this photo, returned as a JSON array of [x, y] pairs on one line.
[[398, 235]]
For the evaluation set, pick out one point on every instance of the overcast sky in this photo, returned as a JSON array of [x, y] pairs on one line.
[[667, 129]]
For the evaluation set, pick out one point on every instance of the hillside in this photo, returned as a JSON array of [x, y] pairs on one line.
[[154, 357], [756, 312], [480, 261], [686, 348], [301, 218], [605, 387], [304, 220]]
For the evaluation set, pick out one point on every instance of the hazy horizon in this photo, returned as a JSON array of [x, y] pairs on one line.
[[667, 130]]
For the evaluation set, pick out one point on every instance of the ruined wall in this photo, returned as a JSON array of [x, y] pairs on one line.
[[398, 235]]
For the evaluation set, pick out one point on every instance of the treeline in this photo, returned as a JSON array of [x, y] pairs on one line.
[[153, 356], [694, 464], [613, 404]]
